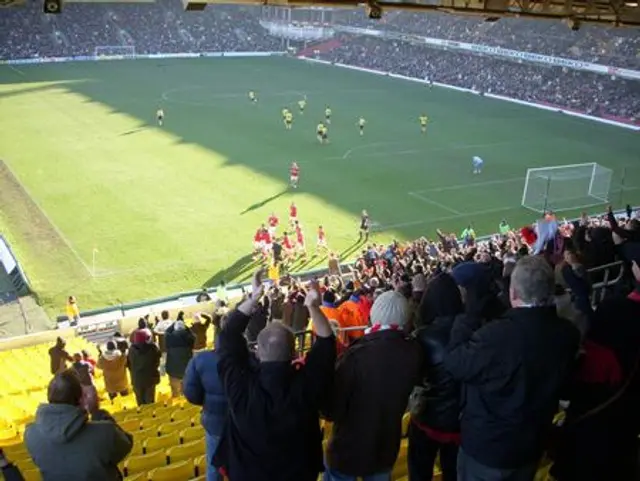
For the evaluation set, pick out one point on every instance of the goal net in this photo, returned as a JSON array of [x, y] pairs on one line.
[[118, 51], [566, 187]]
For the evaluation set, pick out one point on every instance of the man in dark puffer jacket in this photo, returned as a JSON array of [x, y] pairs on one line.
[[435, 404]]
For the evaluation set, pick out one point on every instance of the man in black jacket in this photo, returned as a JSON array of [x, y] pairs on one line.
[[512, 371], [273, 430], [435, 403], [144, 364]]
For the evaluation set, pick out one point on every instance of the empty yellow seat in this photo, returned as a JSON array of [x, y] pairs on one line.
[[31, 475], [193, 433], [161, 442], [174, 472], [144, 462], [405, 424], [200, 465], [174, 427], [131, 425], [145, 433], [180, 414], [187, 451]]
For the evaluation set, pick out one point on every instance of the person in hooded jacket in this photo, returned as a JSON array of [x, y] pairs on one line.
[[144, 364], [179, 341], [66, 445], [114, 366], [435, 404]]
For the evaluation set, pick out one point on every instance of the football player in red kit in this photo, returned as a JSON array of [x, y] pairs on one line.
[[300, 247], [322, 241], [273, 222], [293, 214], [294, 174]]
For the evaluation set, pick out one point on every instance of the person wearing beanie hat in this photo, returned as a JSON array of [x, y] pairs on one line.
[[604, 445], [113, 364], [373, 380], [144, 364]]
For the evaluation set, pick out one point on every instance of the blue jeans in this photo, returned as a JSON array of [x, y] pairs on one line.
[[212, 445], [330, 475]]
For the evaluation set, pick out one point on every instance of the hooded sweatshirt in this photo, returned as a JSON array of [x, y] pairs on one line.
[[65, 445]]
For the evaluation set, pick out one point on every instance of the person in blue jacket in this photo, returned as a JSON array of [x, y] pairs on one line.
[[202, 387]]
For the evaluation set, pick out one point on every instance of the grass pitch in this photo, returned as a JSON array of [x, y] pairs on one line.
[[89, 176]]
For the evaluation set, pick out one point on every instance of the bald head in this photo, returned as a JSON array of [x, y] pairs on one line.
[[276, 343]]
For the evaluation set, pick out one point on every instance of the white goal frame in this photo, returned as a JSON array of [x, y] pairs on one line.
[[597, 197], [117, 51]]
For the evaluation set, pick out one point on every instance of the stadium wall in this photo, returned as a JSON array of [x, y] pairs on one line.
[[617, 123], [13, 269]]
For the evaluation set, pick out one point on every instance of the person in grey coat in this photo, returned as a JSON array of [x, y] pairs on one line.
[[179, 341], [66, 445]]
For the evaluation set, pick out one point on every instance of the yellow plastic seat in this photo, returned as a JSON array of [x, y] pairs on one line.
[[405, 424], [200, 478], [156, 422], [401, 467], [181, 414], [144, 462], [200, 465], [131, 426], [161, 442], [145, 433], [174, 427], [194, 433], [187, 451], [31, 475], [174, 472]]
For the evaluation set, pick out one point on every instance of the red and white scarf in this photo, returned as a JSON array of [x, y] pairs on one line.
[[381, 327]]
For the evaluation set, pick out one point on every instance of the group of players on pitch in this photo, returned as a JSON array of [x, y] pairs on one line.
[[292, 245]]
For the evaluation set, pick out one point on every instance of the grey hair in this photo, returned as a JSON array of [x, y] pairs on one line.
[[276, 343], [532, 281]]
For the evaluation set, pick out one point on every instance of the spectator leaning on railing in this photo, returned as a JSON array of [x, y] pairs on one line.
[[273, 429]]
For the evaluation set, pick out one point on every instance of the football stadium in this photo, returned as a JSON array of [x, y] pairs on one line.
[[194, 201]]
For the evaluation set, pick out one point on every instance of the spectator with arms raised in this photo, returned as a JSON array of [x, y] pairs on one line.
[[512, 370], [273, 430], [179, 341]]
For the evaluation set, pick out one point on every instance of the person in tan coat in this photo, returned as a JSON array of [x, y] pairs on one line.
[[114, 366], [199, 329]]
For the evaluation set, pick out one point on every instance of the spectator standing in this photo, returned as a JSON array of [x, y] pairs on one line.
[[435, 403], [598, 440], [273, 431], [511, 370], [258, 320], [351, 316], [202, 387], [114, 366], [179, 341], [59, 356], [87, 358], [121, 343], [199, 330], [144, 364], [84, 370], [203, 296], [373, 381], [72, 310], [65, 444]]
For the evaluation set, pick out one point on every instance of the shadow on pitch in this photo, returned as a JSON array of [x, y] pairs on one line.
[[263, 202], [241, 267]]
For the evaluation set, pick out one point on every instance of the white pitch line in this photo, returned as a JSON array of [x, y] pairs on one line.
[[441, 219], [16, 70], [471, 185], [433, 202], [55, 227]]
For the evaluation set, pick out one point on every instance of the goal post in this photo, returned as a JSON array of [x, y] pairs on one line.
[[117, 51], [566, 187]]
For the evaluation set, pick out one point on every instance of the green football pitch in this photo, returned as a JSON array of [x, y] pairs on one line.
[[88, 176]]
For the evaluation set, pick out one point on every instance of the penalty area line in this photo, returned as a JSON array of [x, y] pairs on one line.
[[415, 195], [399, 225], [16, 70]]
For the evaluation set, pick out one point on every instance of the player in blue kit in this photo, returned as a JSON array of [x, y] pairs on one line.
[[477, 164]]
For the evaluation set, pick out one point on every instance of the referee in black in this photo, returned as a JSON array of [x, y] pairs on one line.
[[365, 223]]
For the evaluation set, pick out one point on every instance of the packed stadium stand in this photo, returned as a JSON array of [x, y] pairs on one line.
[[599, 253]]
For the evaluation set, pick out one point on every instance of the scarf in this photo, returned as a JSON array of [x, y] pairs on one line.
[[380, 327]]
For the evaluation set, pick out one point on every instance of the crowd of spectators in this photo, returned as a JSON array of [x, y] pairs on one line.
[[617, 47], [587, 92], [484, 342], [151, 27]]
